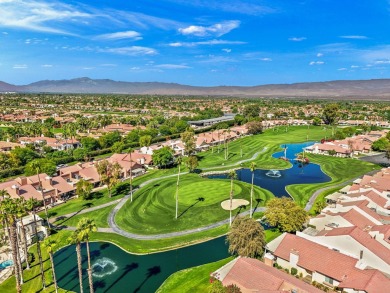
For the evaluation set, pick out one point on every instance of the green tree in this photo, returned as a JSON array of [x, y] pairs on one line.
[[252, 167], [192, 163], [285, 214], [45, 166], [232, 175], [331, 114], [85, 227], [90, 143], [251, 111], [319, 206], [21, 212], [188, 139], [118, 147], [216, 287], [21, 156], [109, 174], [380, 145], [145, 140], [316, 121], [162, 157], [81, 154], [84, 188], [50, 245], [387, 152], [109, 139], [246, 238], [9, 210]]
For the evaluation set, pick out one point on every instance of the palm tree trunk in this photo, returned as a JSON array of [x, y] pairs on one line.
[[131, 181], [24, 238], [19, 258], [253, 175], [14, 248], [44, 203], [89, 269], [177, 192], [78, 251], [231, 200], [39, 252], [54, 272]]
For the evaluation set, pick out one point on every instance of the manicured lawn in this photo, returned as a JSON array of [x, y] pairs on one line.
[[271, 140], [100, 217], [339, 169], [153, 208], [197, 279]]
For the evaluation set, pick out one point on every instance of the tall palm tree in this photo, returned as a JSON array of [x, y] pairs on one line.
[[8, 214], [35, 165], [179, 159], [21, 212], [131, 175], [253, 168], [50, 245], [231, 175], [85, 227], [75, 239], [31, 204]]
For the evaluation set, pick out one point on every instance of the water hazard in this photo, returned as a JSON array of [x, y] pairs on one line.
[[277, 180], [115, 270]]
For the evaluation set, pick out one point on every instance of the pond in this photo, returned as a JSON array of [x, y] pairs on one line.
[[115, 270], [277, 180]]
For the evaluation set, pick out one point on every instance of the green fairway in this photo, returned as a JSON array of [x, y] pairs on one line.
[[339, 169], [100, 217], [265, 144], [153, 208]]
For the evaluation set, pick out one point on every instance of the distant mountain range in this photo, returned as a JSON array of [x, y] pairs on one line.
[[340, 89]]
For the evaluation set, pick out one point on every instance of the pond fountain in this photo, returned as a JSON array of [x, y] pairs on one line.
[[103, 267], [273, 173]]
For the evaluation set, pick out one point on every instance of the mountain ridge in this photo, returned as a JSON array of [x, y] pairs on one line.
[[371, 88]]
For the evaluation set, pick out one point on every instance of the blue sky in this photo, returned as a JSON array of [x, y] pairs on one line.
[[197, 42]]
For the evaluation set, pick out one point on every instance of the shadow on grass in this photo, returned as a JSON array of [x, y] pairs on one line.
[[199, 199], [258, 201]]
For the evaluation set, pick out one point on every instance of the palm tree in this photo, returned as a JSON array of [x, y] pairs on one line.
[[50, 245], [9, 209], [23, 209], [35, 165], [85, 227], [179, 159], [131, 175], [75, 239], [232, 175], [31, 204], [253, 168]]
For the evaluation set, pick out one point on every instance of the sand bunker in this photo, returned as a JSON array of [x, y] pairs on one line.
[[235, 204]]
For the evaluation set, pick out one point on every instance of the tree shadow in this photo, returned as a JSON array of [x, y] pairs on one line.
[[128, 268], [99, 284], [239, 210], [258, 201], [94, 254], [199, 199], [153, 271], [121, 189], [104, 245]]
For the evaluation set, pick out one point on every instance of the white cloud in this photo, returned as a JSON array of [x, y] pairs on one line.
[[227, 50], [20, 66], [316, 63], [88, 68], [297, 39], [4, 33], [135, 68], [383, 61], [38, 15], [108, 65], [46, 65], [130, 51], [354, 66], [172, 66], [266, 59], [320, 55], [354, 37], [210, 43], [120, 35], [217, 30], [342, 69]]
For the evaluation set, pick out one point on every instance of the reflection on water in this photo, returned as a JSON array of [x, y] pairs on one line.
[[277, 180], [115, 270]]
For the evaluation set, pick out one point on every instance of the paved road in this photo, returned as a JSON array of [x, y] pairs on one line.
[[314, 196]]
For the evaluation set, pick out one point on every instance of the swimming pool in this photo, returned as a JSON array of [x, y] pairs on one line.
[[5, 264]]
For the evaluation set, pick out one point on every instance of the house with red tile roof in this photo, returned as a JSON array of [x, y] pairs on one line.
[[252, 275], [327, 265]]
